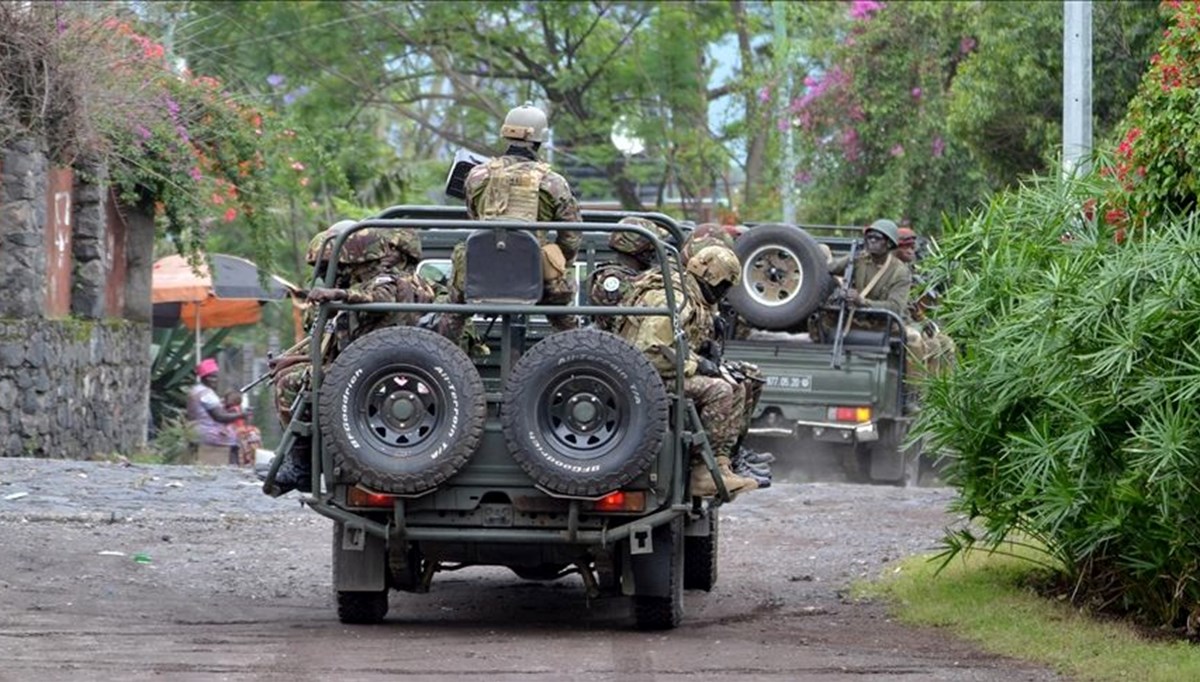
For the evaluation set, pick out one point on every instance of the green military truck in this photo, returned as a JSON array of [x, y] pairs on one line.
[[844, 389], [547, 454]]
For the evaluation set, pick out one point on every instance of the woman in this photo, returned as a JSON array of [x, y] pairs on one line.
[[208, 415]]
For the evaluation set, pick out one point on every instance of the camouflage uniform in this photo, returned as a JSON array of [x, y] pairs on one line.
[[518, 187], [719, 403], [366, 278], [612, 282]]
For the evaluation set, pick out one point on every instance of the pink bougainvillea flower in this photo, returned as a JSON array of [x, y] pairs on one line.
[[863, 9], [897, 150], [297, 166], [195, 173], [938, 147], [966, 45], [764, 94], [916, 93]]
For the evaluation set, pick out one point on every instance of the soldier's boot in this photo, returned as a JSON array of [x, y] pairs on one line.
[[761, 473], [295, 473], [703, 485], [755, 457]]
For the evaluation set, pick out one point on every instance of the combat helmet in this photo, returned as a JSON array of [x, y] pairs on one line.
[[715, 265], [525, 123], [887, 228], [365, 246], [704, 236], [325, 238], [632, 243], [407, 242]]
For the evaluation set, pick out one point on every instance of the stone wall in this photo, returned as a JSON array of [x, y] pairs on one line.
[[71, 387]]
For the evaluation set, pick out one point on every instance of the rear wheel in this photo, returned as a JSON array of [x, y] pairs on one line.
[[541, 572], [362, 608], [700, 556], [664, 612]]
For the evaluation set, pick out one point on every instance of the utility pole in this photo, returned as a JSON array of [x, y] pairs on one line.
[[783, 90], [1077, 85]]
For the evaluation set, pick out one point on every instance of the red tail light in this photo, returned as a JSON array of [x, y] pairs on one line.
[[358, 497], [850, 414], [621, 501]]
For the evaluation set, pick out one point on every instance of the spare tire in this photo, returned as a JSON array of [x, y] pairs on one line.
[[785, 277], [584, 412], [402, 409]]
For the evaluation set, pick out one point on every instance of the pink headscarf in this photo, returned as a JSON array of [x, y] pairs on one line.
[[206, 367]]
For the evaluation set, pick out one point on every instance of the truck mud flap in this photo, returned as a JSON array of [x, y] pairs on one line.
[[359, 559], [652, 572]]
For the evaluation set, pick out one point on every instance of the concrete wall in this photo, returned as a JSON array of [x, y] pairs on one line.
[[78, 385]]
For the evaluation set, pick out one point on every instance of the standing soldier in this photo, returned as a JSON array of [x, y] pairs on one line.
[[378, 266], [517, 186], [709, 274]]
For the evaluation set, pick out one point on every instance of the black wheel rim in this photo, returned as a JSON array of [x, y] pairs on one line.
[[583, 415], [401, 408]]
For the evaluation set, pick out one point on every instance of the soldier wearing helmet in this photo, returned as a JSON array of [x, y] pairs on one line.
[[708, 276], [907, 245], [610, 283], [375, 265], [881, 280], [706, 234], [517, 186]]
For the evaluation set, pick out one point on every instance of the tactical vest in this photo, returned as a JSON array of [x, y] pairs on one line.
[[696, 322], [512, 190]]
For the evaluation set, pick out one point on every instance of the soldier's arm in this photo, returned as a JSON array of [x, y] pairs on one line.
[[381, 289], [473, 189], [838, 265], [558, 204]]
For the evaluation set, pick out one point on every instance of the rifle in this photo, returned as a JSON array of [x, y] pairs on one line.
[[847, 283], [302, 344]]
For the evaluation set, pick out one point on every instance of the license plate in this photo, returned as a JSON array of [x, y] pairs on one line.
[[792, 382]]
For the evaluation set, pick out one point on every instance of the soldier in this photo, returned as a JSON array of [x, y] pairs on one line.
[[939, 348], [881, 280], [610, 283], [379, 267], [709, 274], [745, 376], [517, 186]]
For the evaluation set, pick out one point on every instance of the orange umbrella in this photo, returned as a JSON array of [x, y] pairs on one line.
[[227, 294]]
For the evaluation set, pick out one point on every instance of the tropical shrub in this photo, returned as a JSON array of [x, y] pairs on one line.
[[1072, 415]]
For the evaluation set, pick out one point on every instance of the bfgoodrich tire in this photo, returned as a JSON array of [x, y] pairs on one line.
[[784, 277], [584, 412], [402, 409]]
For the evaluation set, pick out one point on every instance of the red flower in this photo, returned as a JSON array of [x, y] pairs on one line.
[[230, 215]]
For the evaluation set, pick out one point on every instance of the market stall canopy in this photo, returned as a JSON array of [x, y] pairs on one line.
[[228, 295]]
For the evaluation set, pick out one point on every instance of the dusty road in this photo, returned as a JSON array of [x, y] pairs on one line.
[[232, 585]]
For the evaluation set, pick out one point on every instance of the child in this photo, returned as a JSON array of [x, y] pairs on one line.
[[249, 438]]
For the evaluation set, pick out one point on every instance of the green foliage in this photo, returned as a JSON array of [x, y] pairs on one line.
[[1072, 415], [1156, 159], [917, 110], [173, 441]]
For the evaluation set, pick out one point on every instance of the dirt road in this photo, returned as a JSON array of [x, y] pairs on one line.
[[113, 572]]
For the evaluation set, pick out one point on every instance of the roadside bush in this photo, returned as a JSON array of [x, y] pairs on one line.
[[1072, 416]]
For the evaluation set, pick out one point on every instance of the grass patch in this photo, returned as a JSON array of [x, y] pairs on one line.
[[981, 598]]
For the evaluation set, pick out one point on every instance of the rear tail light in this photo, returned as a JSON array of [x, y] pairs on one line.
[[358, 497], [850, 414], [621, 501]]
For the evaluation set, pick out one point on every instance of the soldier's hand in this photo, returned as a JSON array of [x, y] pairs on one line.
[[323, 295], [708, 368], [855, 298]]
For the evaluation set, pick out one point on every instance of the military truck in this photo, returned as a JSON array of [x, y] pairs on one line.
[[845, 388], [549, 454]]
